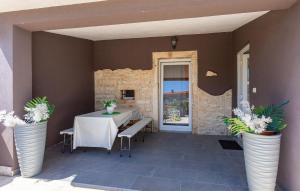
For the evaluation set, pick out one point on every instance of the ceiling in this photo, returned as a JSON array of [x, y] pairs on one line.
[[199, 25], [17, 5], [60, 14]]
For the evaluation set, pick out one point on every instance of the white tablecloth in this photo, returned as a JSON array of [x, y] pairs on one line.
[[98, 130]]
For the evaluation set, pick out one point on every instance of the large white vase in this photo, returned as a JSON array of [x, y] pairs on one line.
[[261, 159], [30, 142]]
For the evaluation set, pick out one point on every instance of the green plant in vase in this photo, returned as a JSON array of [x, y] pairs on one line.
[[110, 105], [257, 120]]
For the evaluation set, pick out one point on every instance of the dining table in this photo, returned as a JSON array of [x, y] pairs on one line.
[[100, 129]]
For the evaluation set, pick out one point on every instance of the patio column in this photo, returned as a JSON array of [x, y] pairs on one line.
[[16, 86]]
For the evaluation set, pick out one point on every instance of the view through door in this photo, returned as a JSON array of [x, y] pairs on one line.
[[175, 99]]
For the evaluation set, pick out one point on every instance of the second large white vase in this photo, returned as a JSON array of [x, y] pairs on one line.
[[261, 160]]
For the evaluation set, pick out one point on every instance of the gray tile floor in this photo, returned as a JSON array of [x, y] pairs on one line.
[[165, 161]]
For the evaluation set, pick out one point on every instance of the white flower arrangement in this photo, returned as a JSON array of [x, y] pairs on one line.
[[255, 123], [38, 110], [37, 114], [247, 121]]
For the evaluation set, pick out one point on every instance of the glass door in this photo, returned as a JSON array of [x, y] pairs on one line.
[[175, 96]]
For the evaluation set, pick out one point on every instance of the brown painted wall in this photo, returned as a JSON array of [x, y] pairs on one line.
[[63, 71], [275, 65], [214, 53], [15, 83], [22, 51]]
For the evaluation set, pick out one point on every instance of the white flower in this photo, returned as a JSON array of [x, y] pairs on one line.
[[9, 119], [37, 117], [238, 112], [2, 115], [37, 114]]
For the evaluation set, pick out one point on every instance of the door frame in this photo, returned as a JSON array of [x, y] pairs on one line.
[[170, 62], [241, 71]]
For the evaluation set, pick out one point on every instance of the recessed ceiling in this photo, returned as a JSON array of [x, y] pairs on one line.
[[17, 5], [200, 25]]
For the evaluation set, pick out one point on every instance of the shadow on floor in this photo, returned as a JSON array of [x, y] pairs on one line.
[[4, 180]]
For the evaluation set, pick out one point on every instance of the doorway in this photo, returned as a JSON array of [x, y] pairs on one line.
[[175, 95], [243, 75]]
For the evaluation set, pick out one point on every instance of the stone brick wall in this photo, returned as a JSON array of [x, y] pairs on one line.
[[109, 83], [207, 110]]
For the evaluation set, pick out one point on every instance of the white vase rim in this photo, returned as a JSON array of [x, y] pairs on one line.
[[31, 124], [258, 135]]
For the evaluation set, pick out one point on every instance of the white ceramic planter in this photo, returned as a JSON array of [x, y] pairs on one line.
[[110, 110], [30, 146], [261, 159]]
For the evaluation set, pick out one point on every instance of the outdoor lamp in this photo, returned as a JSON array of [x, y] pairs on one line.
[[174, 42]]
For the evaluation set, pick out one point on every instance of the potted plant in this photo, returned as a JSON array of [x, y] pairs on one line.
[[261, 131], [110, 105], [30, 134]]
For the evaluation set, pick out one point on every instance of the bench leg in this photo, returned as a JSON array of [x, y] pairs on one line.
[[129, 140], [64, 143], [152, 126], [144, 132], [71, 143], [121, 147]]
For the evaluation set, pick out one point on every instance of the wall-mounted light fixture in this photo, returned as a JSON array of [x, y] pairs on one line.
[[174, 41]]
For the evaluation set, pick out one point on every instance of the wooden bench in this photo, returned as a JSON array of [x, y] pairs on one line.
[[69, 132], [132, 131]]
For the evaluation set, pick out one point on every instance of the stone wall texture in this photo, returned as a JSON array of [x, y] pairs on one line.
[[207, 110], [109, 83]]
